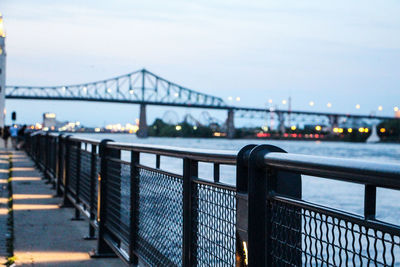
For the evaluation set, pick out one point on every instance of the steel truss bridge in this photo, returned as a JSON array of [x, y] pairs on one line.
[[146, 88]]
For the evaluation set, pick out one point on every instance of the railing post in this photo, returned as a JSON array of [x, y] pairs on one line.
[[77, 146], [92, 200], [262, 183], [103, 249], [46, 157], [134, 207], [54, 165], [190, 169], [67, 145], [60, 162], [242, 206], [369, 202]]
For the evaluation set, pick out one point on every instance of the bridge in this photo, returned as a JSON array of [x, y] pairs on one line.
[[145, 88]]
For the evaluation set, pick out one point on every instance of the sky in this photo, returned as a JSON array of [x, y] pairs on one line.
[[339, 52]]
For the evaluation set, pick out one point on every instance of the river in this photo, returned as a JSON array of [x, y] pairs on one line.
[[336, 194]]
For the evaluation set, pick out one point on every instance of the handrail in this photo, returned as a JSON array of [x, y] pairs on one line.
[[84, 140], [385, 175], [204, 155]]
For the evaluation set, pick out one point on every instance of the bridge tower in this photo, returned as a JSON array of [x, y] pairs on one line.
[[143, 129], [333, 121], [2, 73], [230, 124], [281, 120]]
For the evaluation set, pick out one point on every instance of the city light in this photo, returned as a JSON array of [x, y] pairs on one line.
[[195, 127], [230, 98], [350, 130], [380, 108], [84, 89], [265, 128], [109, 90], [361, 130], [318, 128], [293, 127], [237, 98], [131, 92], [97, 130], [382, 130], [2, 31], [340, 130], [284, 101], [366, 130], [358, 106], [178, 127], [270, 101], [49, 115], [311, 103], [396, 109], [63, 88], [176, 94], [329, 105]]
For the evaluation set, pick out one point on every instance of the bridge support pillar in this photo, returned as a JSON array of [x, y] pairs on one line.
[[143, 130], [333, 122], [281, 122], [230, 124]]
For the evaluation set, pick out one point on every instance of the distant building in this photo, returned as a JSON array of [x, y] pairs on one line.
[[2, 72], [49, 120]]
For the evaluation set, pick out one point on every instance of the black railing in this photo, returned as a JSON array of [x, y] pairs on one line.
[[163, 214]]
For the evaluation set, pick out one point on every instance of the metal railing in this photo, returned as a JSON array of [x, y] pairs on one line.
[[161, 217]]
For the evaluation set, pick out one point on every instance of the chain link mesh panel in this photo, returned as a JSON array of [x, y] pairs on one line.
[[118, 199], [73, 165], [84, 179], [159, 238], [214, 214], [96, 180], [303, 237], [52, 155]]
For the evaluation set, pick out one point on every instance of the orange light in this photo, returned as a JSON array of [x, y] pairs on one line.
[[382, 130]]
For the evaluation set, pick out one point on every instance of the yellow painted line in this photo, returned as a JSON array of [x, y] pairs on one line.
[[50, 257], [31, 196], [23, 169], [35, 206], [3, 211], [27, 178], [3, 181], [3, 200]]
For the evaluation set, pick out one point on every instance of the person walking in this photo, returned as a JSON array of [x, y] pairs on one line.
[[14, 136], [6, 135], [21, 137]]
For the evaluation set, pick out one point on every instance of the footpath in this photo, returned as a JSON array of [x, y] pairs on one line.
[[44, 234]]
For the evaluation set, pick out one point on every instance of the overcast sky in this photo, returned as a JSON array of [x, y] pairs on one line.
[[342, 52]]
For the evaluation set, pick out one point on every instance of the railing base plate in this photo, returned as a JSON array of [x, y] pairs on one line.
[[77, 219], [94, 254], [89, 237]]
